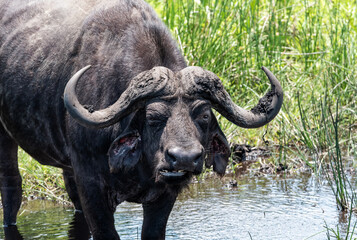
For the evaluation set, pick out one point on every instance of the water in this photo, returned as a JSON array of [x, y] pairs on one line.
[[264, 207]]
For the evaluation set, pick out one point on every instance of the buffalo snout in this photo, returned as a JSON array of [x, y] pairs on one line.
[[187, 159], [181, 162]]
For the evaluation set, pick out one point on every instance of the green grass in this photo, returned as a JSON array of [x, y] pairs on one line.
[[40, 181], [334, 169], [348, 234]]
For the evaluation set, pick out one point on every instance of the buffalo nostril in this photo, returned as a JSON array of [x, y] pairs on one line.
[[197, 156], [172, 153], [180, 154], [196, 160]]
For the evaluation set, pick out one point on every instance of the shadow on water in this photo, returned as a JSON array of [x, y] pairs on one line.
[[260, 207], [76, 230]]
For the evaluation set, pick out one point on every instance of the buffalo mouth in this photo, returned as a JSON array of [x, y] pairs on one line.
[[173, 177], [172, 173]]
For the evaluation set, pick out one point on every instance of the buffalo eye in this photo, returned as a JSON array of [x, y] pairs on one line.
[[201, 114], [203, 119], [155, 119], [206, 116], [157, 114]]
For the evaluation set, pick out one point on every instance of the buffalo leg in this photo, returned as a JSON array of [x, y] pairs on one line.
[[71, 188], [11, 190], [97, 209], [79, 228], [11, 232], [156, 215]]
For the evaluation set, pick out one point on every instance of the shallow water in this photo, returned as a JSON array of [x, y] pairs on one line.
[[264, 207]]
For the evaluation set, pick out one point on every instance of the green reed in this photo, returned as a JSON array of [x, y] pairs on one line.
[[40, 181], [348, 234], [334, 169]]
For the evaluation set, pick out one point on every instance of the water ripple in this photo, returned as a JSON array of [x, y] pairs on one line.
[[266, 207]]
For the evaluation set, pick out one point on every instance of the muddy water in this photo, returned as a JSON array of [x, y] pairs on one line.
[[264, 207]]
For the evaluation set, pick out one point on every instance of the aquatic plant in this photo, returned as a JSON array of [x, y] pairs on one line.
[[343, 190], [348, 234]]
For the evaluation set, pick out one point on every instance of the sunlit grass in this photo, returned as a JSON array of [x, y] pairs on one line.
[[40, 181]]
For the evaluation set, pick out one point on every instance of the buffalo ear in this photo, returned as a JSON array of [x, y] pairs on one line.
[[125, 152], [218, 150]]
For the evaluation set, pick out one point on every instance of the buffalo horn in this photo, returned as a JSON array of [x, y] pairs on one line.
[[208, 85], [147, 84]]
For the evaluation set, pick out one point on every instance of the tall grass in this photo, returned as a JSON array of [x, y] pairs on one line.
[[343, 190], [334, 170], [347, 234], [40, 181], [338, 235]]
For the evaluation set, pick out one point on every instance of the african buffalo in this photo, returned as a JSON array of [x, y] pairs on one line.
[[135, 126]]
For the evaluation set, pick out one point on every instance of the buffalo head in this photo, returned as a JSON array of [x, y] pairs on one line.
[[178, 129]]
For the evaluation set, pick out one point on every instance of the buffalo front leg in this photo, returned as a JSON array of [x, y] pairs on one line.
[[11, 191], [156, 214], [79, 229], [11, 232], [95, 202], [71, 189]]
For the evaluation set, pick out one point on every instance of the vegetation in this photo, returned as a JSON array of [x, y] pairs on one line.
[[40, 181], [311, 47], [336, 233]]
